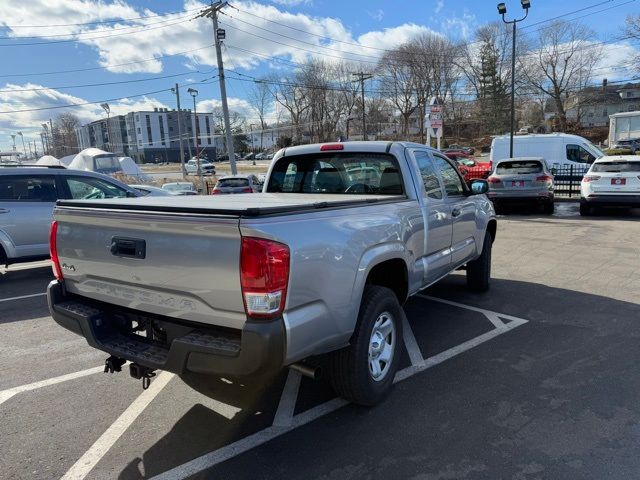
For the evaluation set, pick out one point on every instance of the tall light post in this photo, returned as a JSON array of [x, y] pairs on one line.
[[106, 108], [194, 93], [45, 127], [24, 149], [176, 90], [502, 10]]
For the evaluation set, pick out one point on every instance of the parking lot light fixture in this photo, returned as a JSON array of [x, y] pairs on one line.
[[502, 10]]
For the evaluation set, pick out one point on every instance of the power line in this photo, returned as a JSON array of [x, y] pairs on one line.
[[190, 72], [90, 32], [72, 105], [106, 67], [142, 30], [101, 21]]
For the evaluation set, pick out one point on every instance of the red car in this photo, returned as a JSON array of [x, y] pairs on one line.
[[469, 167]]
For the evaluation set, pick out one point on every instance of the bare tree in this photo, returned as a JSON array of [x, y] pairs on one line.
[[562, 60], [632, 30], [294, 97], [260, 99], [398, 84], [64, 131]]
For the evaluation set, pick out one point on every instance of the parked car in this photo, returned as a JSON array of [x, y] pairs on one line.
[[557, 149], [206, 167], [632, 145], [316, 265], [469, 167], [249, 156], [237, 184], [180, 188], [27, 198], [522, 180], [611, 182], [261, 156], [454, 147], [150, 190]]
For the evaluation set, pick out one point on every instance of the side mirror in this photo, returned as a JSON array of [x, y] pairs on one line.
[[478, 186]]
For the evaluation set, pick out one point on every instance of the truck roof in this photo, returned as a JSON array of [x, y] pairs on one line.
[[377, 146]]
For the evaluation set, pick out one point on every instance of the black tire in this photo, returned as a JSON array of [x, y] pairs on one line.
[[548, 208], [479, 270], [585, 210], [350, 372]]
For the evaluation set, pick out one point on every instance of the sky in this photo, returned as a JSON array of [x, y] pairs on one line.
[[52, 51]]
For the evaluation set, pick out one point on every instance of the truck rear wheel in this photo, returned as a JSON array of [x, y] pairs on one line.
[[363, 372], [479, 270], [585, 209]]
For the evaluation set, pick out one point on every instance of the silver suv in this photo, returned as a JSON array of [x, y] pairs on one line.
[[27, 198]]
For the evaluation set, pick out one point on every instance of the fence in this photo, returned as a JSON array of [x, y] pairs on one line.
[[567, 178]]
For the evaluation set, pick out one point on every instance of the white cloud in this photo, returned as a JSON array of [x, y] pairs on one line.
[[439, 6], [377, 15], [617, 62], [292, 3], [460, 27]]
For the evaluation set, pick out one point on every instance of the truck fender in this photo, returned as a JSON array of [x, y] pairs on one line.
[[7, 245], [373, 256]]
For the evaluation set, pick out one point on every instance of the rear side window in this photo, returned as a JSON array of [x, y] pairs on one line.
[[233, 182], [17, 188], [518, 168], [615, 167], [428, 174], [350, 173], [93, 188]]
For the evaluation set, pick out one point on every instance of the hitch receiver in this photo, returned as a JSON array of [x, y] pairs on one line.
[[142, 372], [113, 364]]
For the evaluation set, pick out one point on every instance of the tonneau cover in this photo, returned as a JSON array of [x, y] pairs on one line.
[[253, 204]]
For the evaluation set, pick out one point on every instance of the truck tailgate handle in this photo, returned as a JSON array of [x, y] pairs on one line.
[[128, 247]]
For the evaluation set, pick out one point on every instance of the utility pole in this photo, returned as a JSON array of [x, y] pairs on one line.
[[219, 34], [361, 78], [176, 90]]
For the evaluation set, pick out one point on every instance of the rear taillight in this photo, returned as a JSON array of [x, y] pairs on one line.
[[544, 178], [494, 180], [247, 190], [264, 275], [590, 178], [53, 250], [215, 191]]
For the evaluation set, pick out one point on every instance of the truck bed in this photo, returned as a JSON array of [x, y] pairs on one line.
[[249, 205]]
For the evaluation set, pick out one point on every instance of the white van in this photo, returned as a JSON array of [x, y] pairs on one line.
[[556, 149]]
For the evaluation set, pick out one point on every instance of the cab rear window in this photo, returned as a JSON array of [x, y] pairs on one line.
[[14, 188], [615, 167], [518, 168], [233, 182], [337, 173]]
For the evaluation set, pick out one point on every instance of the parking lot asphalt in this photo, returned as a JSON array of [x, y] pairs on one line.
[[534, 379]]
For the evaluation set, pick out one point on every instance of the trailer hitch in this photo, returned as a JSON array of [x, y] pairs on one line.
[[141, 372], [113, 364]]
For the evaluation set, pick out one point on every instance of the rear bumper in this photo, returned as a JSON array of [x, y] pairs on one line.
[[256, 349], [541, 196], [612, 200]]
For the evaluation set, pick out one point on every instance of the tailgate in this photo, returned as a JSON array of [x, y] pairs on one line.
[[181, 266]]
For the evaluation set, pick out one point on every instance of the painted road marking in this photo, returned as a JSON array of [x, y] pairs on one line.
[[22, 297], [227, 452], [415, 354], [91, 457], [42, 264], [7, 394], [288, 399]]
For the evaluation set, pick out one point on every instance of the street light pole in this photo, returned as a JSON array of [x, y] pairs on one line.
[[194, 93], [502, 10], [24, 149], [176, 90], [107, 109]]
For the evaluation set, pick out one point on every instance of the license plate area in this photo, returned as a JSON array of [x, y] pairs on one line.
[[618, 181], [517, 183]]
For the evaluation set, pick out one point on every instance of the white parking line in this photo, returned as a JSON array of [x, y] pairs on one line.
[[415, 355], [288, 399], [85, 464], [227, 452], [22, 297], [7, 394], [27, 266]]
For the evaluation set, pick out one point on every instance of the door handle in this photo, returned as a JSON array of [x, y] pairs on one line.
[[4, 210], [455, 212]]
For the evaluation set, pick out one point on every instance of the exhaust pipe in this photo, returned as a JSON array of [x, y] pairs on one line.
[[313, 373]]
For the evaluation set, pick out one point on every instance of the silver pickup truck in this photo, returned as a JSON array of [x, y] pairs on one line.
[[235, 285]]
